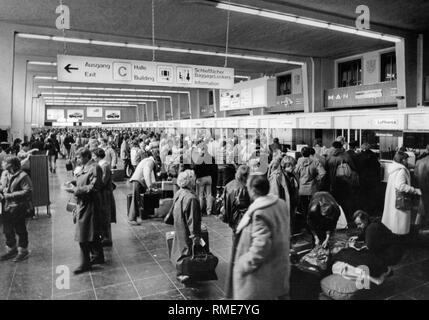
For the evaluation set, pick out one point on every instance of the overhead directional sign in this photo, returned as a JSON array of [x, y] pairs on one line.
[[146, 73]]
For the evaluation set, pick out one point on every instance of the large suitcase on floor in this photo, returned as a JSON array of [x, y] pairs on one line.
[[118, 175], [167, 189], [170, 235], [164, 207], [150, 201]]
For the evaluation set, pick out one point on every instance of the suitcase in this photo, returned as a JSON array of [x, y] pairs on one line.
[[167, 189], [118, 175], [164, 207], [169, 236], [151, 199], [200, 266]]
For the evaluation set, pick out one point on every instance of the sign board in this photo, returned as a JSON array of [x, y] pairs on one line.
[[283, 123], [364, 95], [54, 114], [209, 124], [94, 112], [142, 73], [245, 98], [113, 115], [75, 114], [315, 123], [418, 122]]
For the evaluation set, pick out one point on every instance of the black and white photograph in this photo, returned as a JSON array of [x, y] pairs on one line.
[[215, 151]]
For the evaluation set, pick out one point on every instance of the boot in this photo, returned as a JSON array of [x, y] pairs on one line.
[[23, 254], [10, 253], [85, 264], [98, 253]]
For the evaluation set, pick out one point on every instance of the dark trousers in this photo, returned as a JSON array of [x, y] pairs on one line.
[[127, 164], [136, 203], [14, 224], [87, 249], [304, 202], [368, 198]]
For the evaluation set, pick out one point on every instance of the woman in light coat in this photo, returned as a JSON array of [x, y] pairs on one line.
[[398, 221], [261, 265]]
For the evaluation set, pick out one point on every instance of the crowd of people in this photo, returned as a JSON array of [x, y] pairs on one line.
[[263, 192]]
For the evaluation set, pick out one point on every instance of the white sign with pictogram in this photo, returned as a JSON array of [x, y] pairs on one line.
[[142, 73]]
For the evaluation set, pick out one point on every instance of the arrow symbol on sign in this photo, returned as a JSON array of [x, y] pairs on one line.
[[69, 67]]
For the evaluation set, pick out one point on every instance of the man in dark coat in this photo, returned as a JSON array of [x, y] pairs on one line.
[[421, 172], [369, 179], [340, 187], [88, 216]]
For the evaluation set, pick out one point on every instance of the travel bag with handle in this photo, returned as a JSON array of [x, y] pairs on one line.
[[199, 266]]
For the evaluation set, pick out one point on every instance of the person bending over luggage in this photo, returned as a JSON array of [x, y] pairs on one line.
[[323, 215], [15, 195], [142, 179], [378, 238], [261, 267], [187, 220]]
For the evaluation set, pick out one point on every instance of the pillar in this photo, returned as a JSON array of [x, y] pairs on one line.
[[406, 68], [6, 75]]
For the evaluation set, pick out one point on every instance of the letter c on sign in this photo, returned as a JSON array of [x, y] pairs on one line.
[[122, 71]]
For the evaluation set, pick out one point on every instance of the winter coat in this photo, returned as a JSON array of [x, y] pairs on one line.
[[421, 172], [108, 199], [336, 157], [398, 221], [309, 174], [235, 201], [369, 169], [125, 150], [88, 195], [187, 223], [261, 266], [17, 191]]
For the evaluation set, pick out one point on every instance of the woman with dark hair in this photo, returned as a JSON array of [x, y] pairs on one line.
[[87, 190], [323, 215], [398, 220], [108, 199], [52, 148]]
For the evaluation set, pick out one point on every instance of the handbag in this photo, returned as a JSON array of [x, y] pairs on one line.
[[405, 201], [71, 205], [69, 166], [200, 266]]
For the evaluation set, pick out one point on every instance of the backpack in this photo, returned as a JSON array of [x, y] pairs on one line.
[[345, 173]]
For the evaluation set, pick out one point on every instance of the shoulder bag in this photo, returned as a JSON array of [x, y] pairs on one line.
[[405, 201]]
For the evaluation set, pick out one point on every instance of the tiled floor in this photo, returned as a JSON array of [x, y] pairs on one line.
[[137, 266]]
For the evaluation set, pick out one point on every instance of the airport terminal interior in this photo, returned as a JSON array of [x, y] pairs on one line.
[[214, 150]]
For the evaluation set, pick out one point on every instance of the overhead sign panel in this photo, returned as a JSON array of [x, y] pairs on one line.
[[142, 73]]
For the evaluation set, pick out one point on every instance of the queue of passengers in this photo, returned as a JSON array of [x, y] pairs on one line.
[[263, 201]]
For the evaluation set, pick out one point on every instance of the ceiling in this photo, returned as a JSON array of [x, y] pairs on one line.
[[198, 24]]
